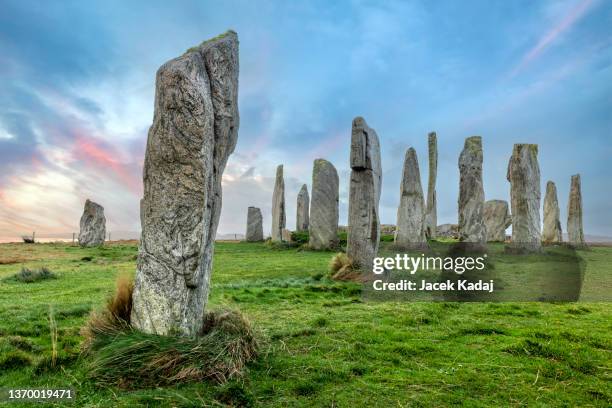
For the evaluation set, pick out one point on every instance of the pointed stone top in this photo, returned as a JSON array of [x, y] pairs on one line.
[[279, 169], [229, 36], [473, 142], [304, 188]]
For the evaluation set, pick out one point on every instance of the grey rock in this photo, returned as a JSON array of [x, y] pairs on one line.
[[410, 232], [279, 216], [575, 232], [286, 235], [387, 229], [551, 232], [254, 231], [448, 230], [92, 226], [524, 177], [194, 131], [302, 216], [323, 232], [497, 219], [431, 215], [471, 194], [364, 196]]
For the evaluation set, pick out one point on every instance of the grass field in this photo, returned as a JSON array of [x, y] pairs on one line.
[[324, 346]]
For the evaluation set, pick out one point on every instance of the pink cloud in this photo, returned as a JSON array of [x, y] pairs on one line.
[[551, 35], [97, 155]]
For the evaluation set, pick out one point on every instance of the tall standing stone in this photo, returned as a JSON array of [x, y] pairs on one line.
[[471, 194], [524, 178], [575, 232], [497, 219], [254, 231], [364, 196], [431, 217], [92, 226], [551, 233], [279, 217], [194, 131], [302, 216], [410, 231], [323, 232]]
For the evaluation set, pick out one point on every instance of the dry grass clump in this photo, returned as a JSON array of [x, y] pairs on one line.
[[123, 356], [342, 269]]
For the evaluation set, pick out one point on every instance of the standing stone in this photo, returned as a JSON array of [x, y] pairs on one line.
[[524, 178], [92, 226], [303, 203], [254, 232], [279, 217], [497, 219], [551, 233], [471, 194], [575, 232], [194, 131], [323, 233], [364, 196], [410, 230], [286, 235], [431, 217]]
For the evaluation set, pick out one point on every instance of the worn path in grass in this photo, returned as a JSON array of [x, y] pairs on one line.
[[324, 346]]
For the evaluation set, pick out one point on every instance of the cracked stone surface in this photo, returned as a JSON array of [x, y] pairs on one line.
[[302, 218], [254, 232], [410, 230], [92, 226], [431, 214], [364, 196], [194, 131], [279, 216], [524, 177], [551, 232], [323, 233], [497, 219], [471, 194], [575, 232]]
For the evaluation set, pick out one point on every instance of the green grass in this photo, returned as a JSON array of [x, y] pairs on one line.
[[324, 346]]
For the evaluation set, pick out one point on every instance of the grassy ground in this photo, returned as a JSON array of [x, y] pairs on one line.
[[324, 345]]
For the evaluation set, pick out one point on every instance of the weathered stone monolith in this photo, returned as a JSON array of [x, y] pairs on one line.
[[279, 217], [302, 216], [364, 196], [254, 231], [551, 232], [286, 235], [497, 219], [431, 215], [471, 194], [410, 231], [194, 131], [92, 226], [524, 178], [575, 233], [323, 232]]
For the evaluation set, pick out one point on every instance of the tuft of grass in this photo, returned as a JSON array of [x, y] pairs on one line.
[[234, 394], [14, 359], [114, 317], [341, 268], [53, 333], [129, 358], [27, 275]]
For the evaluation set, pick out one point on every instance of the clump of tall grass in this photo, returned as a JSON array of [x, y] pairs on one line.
[[342, 268], [27, 275], [122, 356]]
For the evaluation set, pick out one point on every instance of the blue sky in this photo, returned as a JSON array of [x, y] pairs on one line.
[[77, 84]]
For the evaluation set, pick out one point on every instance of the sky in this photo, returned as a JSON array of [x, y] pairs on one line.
[[77, 88]]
